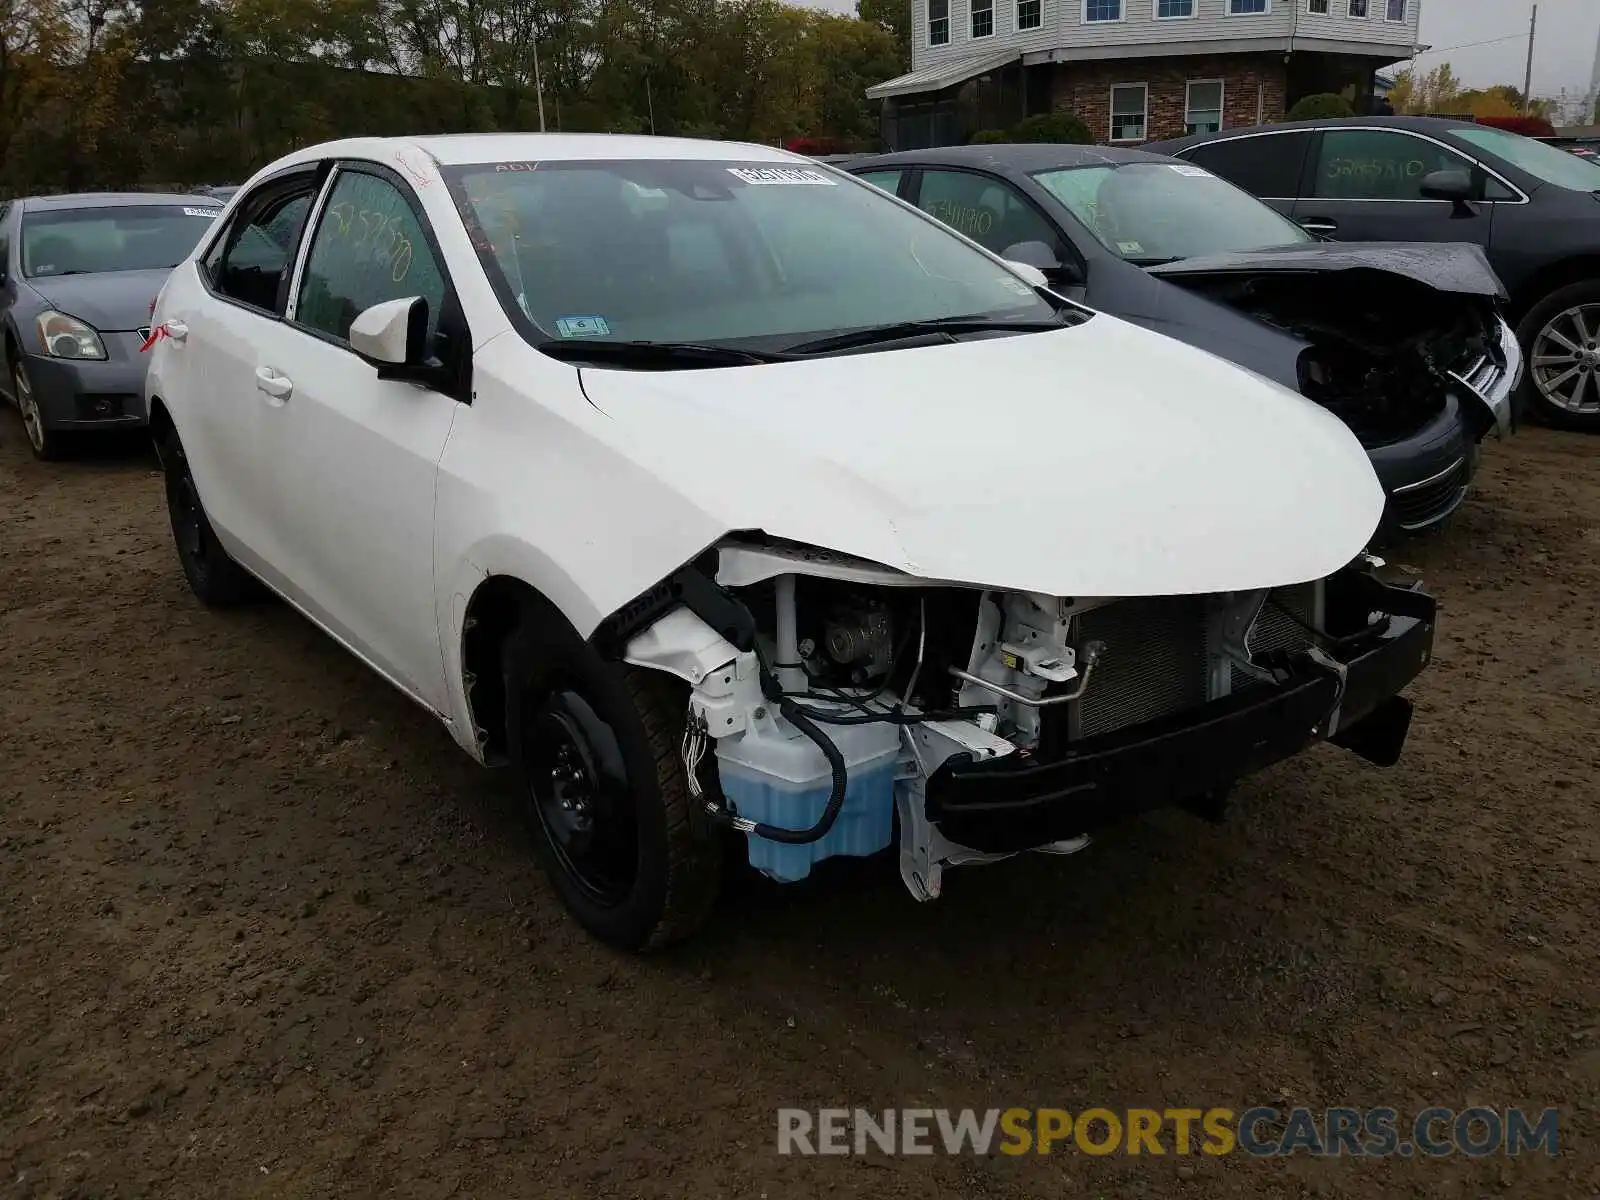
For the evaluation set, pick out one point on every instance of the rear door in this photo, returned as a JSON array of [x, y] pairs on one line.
[[1267, 165], [210, 362], [1365, 185]]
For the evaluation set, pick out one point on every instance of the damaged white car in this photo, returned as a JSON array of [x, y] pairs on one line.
[[721, 495]]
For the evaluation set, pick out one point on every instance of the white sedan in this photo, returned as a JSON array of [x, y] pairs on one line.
[[721, 494]]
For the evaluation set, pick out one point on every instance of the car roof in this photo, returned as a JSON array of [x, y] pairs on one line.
[[1433, 125], [463, 149], [1016, 156], [76, 200]]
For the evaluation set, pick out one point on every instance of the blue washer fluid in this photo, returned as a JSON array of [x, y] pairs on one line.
[[774, 774]]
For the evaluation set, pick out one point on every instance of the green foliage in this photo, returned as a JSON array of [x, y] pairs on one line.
[[989, 137], [117, 93], [1052, 127], [1322, 106]]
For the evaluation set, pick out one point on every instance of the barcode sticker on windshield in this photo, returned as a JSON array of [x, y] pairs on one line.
[[791, 176], [201, 212], [1192, 172]]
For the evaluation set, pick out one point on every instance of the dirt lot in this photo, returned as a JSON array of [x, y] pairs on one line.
[[265, 931]]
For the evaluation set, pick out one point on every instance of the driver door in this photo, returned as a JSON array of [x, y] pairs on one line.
[[357, 478], [992, 213], [1365, 185]]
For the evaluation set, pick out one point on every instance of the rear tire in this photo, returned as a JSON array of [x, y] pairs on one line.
[[214, 577], [1564, 330], [596, 749]]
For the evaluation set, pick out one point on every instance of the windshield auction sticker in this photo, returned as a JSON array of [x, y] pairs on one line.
[[790, 176], [569, 327]]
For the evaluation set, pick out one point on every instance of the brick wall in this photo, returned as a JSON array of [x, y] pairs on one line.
[[1085, 89]]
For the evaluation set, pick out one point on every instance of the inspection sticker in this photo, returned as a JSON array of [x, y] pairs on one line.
[[1192, 172], [201, 212], [780, 175], [582, 327]]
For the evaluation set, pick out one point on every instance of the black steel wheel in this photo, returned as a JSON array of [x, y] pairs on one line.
[[596, 749]]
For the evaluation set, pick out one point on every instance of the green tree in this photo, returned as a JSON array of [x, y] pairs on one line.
[[893, 16]]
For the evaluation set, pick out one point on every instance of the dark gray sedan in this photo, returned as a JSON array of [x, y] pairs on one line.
[[1404, 342], [1530, 206], [78, 274]]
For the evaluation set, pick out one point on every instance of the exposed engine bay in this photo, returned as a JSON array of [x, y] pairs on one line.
[[1384, 351], [865, 694]]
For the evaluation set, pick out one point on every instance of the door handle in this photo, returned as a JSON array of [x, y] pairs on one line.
[[1320, 225], [277, 386], [177, 331]]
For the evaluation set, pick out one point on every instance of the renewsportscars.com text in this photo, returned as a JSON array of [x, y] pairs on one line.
[[1258, 1132]]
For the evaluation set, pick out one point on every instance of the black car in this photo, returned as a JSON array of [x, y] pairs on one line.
[[1533, 208], [1404, 343]]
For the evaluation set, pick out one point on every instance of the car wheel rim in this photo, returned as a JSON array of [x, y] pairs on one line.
[[29, 408], [582, 798], [1566, 360]]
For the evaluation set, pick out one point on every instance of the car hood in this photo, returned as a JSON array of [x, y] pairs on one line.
[[112, 301], [1100, 460], [1447, 266]]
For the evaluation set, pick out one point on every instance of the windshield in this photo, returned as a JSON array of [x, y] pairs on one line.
[[1537, 159], [1150, 212], [713, 252], [134, 237]]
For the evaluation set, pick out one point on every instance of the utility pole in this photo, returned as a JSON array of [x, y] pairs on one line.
[[538, 85], [1527, 80]]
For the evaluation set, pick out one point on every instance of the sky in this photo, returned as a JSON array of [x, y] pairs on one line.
[[1564, 49]]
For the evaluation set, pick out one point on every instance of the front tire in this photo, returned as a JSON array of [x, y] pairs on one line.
[[1561, 339], [214, 577], [596, 751], [45, 443]]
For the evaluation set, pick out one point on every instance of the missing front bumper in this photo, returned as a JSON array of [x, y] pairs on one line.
[[1014, 803]]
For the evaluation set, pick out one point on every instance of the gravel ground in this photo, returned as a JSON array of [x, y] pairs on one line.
[[265, 931]]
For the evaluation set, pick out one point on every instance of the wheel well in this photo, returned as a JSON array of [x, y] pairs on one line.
[[497, 607], [1537, 286]]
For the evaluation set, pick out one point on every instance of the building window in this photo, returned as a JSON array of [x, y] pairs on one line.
[[1318, 8], [1358, 8], [1397, 10], [1129, 112], [1167, 10], [1102, 10], [938, 22], [1030, 14], [982, 18], [1247, 8], [1202, 106]]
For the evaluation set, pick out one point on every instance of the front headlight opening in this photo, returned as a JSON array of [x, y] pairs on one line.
[[68, 337]]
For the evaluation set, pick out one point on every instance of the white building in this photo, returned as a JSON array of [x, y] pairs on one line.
[[1134, 70]]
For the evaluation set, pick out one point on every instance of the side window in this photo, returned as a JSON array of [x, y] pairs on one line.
[[369, 247], [1378, 164], [1267, 167], [248, 263], [889, 181], [988, 211]]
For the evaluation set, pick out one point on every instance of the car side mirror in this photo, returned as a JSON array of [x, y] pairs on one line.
[[392, 334], [1454, 186], [1044, 260]]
